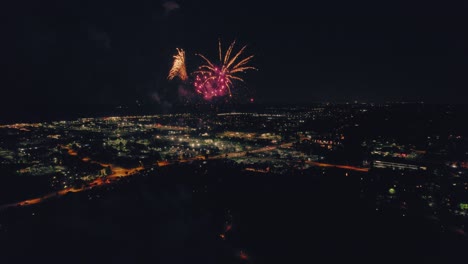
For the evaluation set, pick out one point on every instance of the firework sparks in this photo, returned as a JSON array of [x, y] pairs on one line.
[[178, 66], [216, 79]]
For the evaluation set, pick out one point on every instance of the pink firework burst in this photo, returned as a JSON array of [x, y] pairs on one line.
[[215, 80]]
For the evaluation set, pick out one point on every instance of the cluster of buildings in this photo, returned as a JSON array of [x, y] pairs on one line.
[[277, 140]]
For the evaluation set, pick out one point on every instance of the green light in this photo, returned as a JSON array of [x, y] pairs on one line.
[[391, 191], [464, 206]]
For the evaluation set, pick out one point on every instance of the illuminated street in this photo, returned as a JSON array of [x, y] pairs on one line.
[[119, 172]]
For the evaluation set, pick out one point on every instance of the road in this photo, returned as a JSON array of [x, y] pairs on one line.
[[328, 165], [119, 172]]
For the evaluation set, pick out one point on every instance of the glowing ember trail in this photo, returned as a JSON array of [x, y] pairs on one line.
[[178, 66], [213, 80]]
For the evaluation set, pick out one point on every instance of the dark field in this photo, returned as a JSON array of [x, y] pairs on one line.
[[178, 214]]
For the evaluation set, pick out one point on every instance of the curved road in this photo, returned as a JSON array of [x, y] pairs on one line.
[[119, 172]]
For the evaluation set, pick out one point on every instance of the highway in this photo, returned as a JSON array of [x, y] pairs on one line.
[[119, 172], [328, 165]]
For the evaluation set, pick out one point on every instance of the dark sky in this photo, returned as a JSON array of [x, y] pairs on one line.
[[107, 52]]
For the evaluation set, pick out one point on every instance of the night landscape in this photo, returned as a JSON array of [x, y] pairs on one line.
[[234, 132]]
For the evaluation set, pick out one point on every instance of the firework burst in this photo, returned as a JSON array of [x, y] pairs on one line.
[[178, 66], [216, 79]]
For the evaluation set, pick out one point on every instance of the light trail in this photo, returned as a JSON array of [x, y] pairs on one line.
[[328, 165]]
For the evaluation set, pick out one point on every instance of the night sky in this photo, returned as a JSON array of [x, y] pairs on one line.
[[116, 52]]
